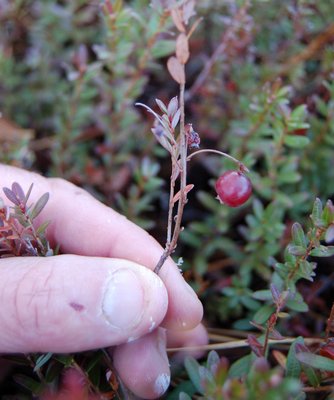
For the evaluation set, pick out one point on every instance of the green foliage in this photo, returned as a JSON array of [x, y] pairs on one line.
[[260, 87], [213, 381]]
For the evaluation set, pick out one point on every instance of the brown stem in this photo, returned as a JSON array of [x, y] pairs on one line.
[[173, 238]]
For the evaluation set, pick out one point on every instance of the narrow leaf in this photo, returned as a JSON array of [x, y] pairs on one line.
[[192, 368], [28, 194], [295, 141], [43, 359], [293, 367], [42, 228], [276, 295], [212, 360], [11, 196], [240, 367], [182, 48], [317, 210], [161, 105], [296, 250], [262, 315], [184, 396], [176, 118], [28, 383], [19, 193], [41, 203], [172, 107], [316, 361], [298, 235], [323, 251]]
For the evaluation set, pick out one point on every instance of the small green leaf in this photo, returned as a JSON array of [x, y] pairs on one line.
[[293, 367], [258, 209], [296, 250], [41, 203], [212, 360], [316, 361], [296, 142], [28, 383], [298, 235], [317, 210], [41, 360], [299, 113], [262, 315], [241, 367], [163, 48], [312, 375], [66, 360], [42, 228], [295, 305], [184, 396], [322, 251], [262, 295], [192, 368]]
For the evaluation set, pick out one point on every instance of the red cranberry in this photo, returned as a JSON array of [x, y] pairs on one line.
[[233, 188]]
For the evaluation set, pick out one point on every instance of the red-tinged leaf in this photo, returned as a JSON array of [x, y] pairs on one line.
[[255, 345], [182, 48], [11, 196], [274, 334], [178, 194], [18, 191], [41, 203], [176, 69], [258, 326], [327, 351], [177, 19], [275, 293], [280, 358], [315, 361]]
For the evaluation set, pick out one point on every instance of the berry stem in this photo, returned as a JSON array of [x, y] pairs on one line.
[[241, 166], [172, 238]]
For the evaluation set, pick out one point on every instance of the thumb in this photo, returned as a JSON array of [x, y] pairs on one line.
[[73, 303]]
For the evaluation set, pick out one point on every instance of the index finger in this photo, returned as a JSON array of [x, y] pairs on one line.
[[81, 225]]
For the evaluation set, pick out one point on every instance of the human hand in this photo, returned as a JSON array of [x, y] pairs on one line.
[[100, 292]]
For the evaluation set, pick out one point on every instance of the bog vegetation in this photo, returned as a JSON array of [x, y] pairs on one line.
[[258, 86]]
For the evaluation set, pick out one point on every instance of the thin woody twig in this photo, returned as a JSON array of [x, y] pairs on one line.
[[173, 238]]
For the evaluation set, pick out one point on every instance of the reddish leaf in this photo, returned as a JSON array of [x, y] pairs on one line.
[[177, 19], [11, 196], [178, 194], [176, 69], [182, 48], [255, 345]]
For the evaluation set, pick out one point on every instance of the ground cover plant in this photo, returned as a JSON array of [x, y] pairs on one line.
[[121, 98]]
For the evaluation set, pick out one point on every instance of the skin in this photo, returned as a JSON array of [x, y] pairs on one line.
[[100, 292]]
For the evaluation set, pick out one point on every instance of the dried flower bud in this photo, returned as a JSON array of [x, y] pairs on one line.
[[193, 138]]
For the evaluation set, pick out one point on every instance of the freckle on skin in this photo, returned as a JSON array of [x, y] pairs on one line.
[[76, 306]]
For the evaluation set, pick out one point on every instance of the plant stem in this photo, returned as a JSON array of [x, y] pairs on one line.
[[172, 238], [240, 164]]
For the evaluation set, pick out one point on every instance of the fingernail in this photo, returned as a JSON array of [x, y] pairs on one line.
[[161, 384], [123, 302]]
